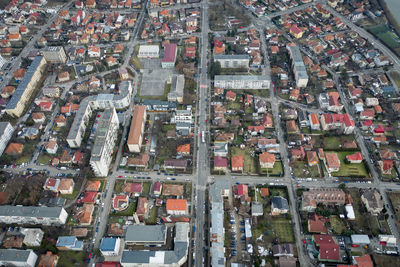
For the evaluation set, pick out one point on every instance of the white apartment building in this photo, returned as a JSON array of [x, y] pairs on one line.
[[242, 82], [91, 103], [18, 257], [185, 116], [106, 135], [233, 61], [6, 132], [33, 215], [300, 72], [55, 54]]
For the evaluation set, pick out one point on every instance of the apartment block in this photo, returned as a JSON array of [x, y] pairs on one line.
[[242, 81], [300, 72], [33, 215], [135, 137], [6, 132], [233, 61], [106, 135], [55, 54], [15, 107]]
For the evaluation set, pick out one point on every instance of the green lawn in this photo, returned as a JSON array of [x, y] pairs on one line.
[[395, 201], [234, 106], [72, 258], [70, 196], [128, 211], [249, 165], [146, 189], [351, 169], [337, 225], [364, 223], [302, 170], [23, 159], [332, 142], [152, 216], [388, 37], [282, 229], [118, 186], [277, 170], [396, 77], [44, 159]]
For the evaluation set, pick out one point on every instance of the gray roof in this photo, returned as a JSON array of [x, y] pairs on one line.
[[145, 233], [14, 255], [30, 211], [360, 239], [23, 84], [232, 57], [161, 258], [280, 203], [297, 61], [3, 126], [178, 83], [256, 207]]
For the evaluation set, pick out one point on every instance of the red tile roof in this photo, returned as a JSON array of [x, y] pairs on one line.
[[169, 53]]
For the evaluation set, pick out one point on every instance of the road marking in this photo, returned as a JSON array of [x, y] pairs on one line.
[[203, 86]]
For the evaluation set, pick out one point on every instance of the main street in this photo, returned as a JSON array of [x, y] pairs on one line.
[[202, 151]]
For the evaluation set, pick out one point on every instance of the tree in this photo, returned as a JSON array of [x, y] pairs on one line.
[[342, 186], [215, 69]]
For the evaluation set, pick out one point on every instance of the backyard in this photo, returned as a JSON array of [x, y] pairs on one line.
[[302, 170], [72, 258], [349, 169], [395, 201], [277, 170], [249, 165]]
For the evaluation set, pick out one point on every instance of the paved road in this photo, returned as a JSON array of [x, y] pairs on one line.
[[175, 7]]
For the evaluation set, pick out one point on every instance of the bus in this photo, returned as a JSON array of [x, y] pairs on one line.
[[203, 138]]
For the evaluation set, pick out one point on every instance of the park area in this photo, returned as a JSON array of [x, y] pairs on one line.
[[386, 35]]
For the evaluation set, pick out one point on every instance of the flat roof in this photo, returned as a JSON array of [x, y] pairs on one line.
[[30, 211], [136, 125], [14, 255], [149, 48], [145, 233]]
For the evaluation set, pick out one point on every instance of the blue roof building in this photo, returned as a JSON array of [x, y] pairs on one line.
[[110, 246], [69, 243]]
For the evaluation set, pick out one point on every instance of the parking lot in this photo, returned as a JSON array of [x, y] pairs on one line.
[[153, 81]]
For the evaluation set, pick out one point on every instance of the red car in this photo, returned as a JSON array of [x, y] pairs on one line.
[[120, 176]]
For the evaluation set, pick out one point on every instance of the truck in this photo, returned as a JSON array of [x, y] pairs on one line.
[[203, 139]]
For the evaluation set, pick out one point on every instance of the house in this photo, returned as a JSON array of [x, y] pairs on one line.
[[285, 249], [7, 91], [312, 158], [138, 234], [267, 160], [38, 117], [51, 146], [133, 188], [316, 224], [157, 188], [48, 260], [372, 201], [279, 205], [14, 149], [355, 158], [296, 31], [110, 246], [363, 261], [120, 202], [332, 162], [220, 164], [241, 191], [19, 74], [386, 166], [291, 126], [256, 209], [177, 206], [175, 164], [387, 154], [183, 150], [314, 122], [220, 148], [328, 249], [84, 214], [326, 196], [94, 51], [66, 186], [237, 163], [63, 76], [69, 243], [140, 161], [93, 185], [141, 207]]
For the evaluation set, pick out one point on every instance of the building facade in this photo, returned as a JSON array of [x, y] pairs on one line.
[[33, 215], [242, 82], [55, 54], [135, 138], [6, 132], [300, 72], [15, 107], [233, 61], [107, 132]]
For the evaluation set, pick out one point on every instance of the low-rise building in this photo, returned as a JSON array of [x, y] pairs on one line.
[[32, 236], [33, 215], [48, 260], [279, 205], [69, 243], [372, 201], [149, 51], [177, 86], [135, 137], [177, 206], [17, 257], [170, 51], [110, 246], [326, 196], [146, 234]]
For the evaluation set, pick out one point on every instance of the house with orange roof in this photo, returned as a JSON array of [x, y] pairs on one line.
[[84, 214], [141, 208], [118, 48], [111, 61], [7, 91], [94, 51], [68, 108], [219, 47], [48, 260], [177, 206], [38, 117], [14, 37], [140, 161], [90, 3], [19, 74], [316, 224], [332, 162], [14, 149], [51, 146], [386, 166], [237, 163], [267, 160], [314, 121], [66, 186], [93, 185], [291, 126], [354, 158], [120, 202], [183, 149], [63, 76]]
